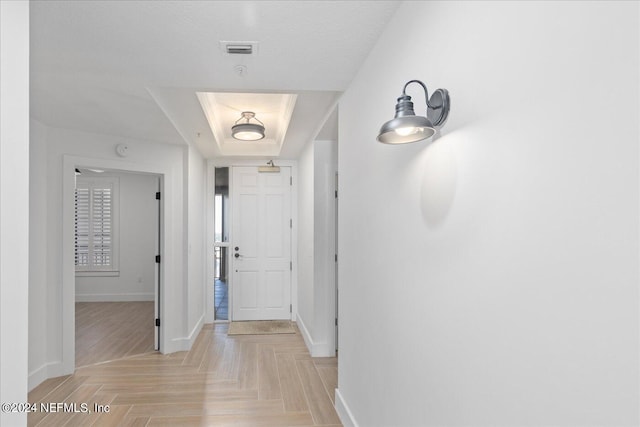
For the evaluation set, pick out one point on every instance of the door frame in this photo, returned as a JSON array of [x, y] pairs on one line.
[[68, 299], [231, 162]]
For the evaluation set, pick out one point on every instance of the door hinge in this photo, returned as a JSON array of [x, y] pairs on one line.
[[290, 223], [158, 258], [291, 265], [290, 180], [336, 257], [336, 321], [158, 195], [336, 194], [158, 322], [290, 308]]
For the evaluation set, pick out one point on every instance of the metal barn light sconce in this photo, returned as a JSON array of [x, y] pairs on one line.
[[406, 127], [247, 131]]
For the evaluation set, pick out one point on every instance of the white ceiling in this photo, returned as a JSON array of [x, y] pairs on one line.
[[133, 68]]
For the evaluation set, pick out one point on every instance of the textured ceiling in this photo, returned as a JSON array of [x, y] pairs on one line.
[[132, 68]]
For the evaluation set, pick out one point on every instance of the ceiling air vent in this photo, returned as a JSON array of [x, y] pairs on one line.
[[239, 48]]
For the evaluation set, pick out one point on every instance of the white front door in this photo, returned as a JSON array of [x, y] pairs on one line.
[[261, 244]]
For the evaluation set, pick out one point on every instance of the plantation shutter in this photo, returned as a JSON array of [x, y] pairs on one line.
[[94, 225], [101, 214], [82, 227]]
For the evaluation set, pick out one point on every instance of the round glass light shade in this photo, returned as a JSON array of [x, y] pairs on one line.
[[406, 129], [247, 131]]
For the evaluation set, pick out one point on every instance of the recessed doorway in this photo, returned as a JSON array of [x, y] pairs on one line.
[[116, 240]]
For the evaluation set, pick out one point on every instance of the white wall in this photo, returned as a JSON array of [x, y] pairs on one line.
[[38, 252], [14, 206], [138, 230], [305, 313], [196, 179], [491, 277], [316, 248], [87, 149]]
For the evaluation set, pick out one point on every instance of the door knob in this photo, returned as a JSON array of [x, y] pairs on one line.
[[237, 255], [237, 248]]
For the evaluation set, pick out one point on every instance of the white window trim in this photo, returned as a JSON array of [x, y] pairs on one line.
[[113, 270]]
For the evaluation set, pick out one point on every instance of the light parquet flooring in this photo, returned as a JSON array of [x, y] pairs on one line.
[[242, 380], [113, 330]]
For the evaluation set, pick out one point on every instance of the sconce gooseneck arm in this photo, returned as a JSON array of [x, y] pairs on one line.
[[426, 93]]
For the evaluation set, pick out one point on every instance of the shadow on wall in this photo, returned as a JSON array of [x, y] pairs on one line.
[[438, 184]]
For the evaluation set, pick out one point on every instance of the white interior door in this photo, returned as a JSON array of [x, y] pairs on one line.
[[261, 244]]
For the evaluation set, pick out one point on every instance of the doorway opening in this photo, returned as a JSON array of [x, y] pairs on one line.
[[221, 244], [117, 275]]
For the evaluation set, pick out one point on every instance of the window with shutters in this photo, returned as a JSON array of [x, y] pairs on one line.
[[96, 223]]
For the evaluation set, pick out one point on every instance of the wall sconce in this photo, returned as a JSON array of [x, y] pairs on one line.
[[406, 127], [248, 131]]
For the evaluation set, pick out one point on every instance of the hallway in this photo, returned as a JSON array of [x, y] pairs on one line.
[[251, 380]]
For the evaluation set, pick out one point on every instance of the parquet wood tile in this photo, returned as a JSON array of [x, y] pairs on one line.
[[244, 380], [112, 330], [228, 365], [198, 349], [320, 404], [113, 418], [130, 421], [198, 394], [248, 366], [234, 407], [280, 420], [212, 355], [329, 376], [292, 391], [46, 387], [268, 381]]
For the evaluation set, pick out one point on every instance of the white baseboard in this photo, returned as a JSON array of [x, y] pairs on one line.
[[345, 414], [316, 349], [195, 331], [115, 297], [185, 343], [44, 372], [305, 334]]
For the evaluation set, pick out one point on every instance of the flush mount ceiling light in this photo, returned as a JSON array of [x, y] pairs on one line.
[[248, 131], [406, 127]]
